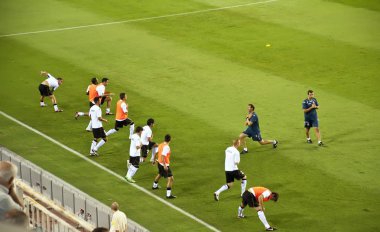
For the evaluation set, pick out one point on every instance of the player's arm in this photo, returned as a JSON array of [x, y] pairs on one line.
[[88, 90], [102, 119], [44, 73], [261, 202], [306, 109]]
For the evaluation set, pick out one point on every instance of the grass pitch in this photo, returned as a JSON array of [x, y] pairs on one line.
[[195, 74]]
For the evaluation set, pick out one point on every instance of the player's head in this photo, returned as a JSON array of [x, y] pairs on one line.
[[122, 96], [251, 107], [94, 80], [138, 129], [274, 196], [105, 81], [150, 122], [236, 142], [310, 93], [115, 206], [60, 80], [167, 138], [97, 100]]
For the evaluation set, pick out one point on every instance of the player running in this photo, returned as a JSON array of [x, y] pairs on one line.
[[134, 155], [147, 141], [97, 127], [254, 197], [91, 92]]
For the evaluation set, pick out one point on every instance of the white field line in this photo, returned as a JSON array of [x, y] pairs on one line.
[[137, 20], [110, 172]]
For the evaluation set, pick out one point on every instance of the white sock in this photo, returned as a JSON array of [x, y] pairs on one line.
[[223, 188], [42, 103], [263, 219], [243, 185], [308, 138], [168, 192], [319, 141], [93, 144], [155, 185], [108, 110], [129, 173], [80, 113], [89, 127], [131, 129], [133, 170], [110, 132], [98, 145], [141, 159], [55, 107], [154, 151], [245, 149], [240, 211]]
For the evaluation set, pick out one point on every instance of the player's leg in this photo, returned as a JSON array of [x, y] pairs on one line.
[[161, 172], [242, 137], [243, 183], [155, 182], [263, 219], [246, 200], [102, 135], [134, 161], [154, 153], [307, 130], [54, 101], [44, 91], [169, 184], [42, 103], [318, 134], [257, 137], [131, 127], [80, 114], [93, 145], [108, 99], [118, 124]]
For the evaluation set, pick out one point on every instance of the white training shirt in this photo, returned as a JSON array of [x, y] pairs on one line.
[[147, 133], [101, 89], [119, 222], [95, 113], [53, 83], [135, 141], [232, 157]]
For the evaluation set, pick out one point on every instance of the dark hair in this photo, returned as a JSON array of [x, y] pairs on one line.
[[310, 91], [94, 80], [122, 95], [275, 196], [96, 99], [60, 79], [167, 138], [252, 106], [138, 129], [100, 229], [150, 121], [105, 79]]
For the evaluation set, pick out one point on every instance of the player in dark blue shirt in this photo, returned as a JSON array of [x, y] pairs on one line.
[[253, 130], [310, 106]]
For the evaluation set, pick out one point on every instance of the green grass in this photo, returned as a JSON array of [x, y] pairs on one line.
[[195, 74]]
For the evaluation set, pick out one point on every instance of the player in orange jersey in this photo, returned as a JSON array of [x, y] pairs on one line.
[[91, 92], [164, 167], [122, 117], [254, 197]]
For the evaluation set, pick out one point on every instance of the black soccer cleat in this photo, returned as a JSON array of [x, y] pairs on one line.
[[76, 116], [170, 197], [109, 113], [275, 144], [309, 141], [320, 144], [244, 152], [216, 197], [156, 188], [271, 229]]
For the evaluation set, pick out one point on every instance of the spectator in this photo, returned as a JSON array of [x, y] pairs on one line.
[[119, 219]]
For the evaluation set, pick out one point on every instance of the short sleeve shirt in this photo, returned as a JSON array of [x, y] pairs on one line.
[[232, 157], [101, 89], [147, 133], [135, 141], [53, 83], [255, 127], [306, 104], [119, 222], [95, 113]]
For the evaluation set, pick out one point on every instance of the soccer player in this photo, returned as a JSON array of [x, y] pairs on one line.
[[232, 171], [163, 167], [122, 117], [47, 88], [253, 130], [310, 106], [134, 154], [91, 92], [254, 197], [97, 127], [105, 96], [147, 141]]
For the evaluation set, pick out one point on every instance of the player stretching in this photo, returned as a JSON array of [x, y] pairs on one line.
[[122, 117], [232, 171], [91, 92], [253, 130], [310, 106], [47, 87], [254, 198], [97, 127]]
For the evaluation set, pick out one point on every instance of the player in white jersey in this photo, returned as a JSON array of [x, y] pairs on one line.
[[232, 171], [97, 127], [134, 154], [147, 142], [47, 88]]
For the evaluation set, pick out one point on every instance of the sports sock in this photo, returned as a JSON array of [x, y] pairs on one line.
[[245, 149], [133, 170], [155, 184], [308, 138], [110, 132], [154, 151], [263, 219], [108, 110], [131, 129], [93, 144], [243, 185], [319, 141], [80, 113], [141, 159], [223, 188], [168, 192], [129, 173], [89, 126], [55, 107], [98, 145], [42, 103], [240, 211]]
